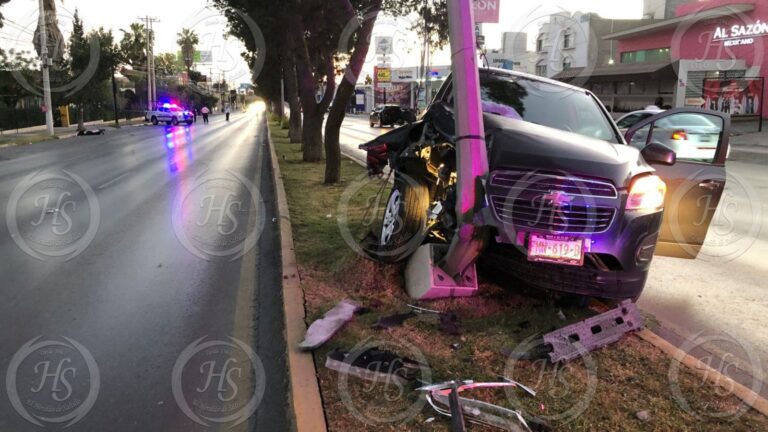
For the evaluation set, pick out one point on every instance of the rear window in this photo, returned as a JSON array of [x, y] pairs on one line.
[[545, 104]]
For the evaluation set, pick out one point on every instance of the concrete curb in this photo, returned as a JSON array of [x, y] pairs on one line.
[[306, 402]]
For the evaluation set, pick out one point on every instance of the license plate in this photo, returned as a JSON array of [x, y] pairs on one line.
[[556, 249]]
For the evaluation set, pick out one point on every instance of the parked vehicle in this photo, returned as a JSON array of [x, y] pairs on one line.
[[628, 120], [171, 114], [568, 204], [391, 115]]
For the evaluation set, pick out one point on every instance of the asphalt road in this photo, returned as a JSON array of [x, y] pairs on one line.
[[717, 301], [140, 275]]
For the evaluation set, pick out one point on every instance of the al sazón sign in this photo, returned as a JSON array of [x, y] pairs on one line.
[[486, 11], [740, 34]]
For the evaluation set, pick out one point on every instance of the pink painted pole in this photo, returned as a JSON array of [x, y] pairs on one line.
[[472, 156]]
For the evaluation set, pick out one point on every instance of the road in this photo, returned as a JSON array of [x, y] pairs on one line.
[[718, 299], [141, 282]]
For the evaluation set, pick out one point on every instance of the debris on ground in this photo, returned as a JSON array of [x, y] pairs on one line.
[[527, 389], [375, 365], [449, 324], [537, 352], [576, 340], [322, 330], [643, 416], [479, 412], [391, 321]]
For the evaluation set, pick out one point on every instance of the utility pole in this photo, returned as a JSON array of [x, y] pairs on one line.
[[151, 89], [46, 64]]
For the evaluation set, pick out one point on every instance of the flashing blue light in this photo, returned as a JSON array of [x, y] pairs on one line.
[[169, 135], [166, 105]]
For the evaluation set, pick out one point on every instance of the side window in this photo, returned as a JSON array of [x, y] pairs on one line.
[[628, 121], [448, 96]]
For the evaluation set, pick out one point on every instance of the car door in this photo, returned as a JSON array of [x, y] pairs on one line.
[[695, 182]]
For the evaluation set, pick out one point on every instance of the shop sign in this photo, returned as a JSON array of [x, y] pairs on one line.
[[740, 34]]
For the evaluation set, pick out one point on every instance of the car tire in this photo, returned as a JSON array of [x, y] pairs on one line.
[[174, 121], [154, 120], [380, 125], [189, 122], [404, 219]]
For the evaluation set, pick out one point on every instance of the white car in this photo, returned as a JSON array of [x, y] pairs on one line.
[[628, 120], [171, 114]]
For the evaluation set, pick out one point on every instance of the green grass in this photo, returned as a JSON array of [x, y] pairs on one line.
[[629, 376]]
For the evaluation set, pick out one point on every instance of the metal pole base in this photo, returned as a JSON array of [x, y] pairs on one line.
[[424, 280]]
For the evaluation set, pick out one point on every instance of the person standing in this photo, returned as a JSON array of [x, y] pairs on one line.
[[194, 113], [226, 111], [205, 111]]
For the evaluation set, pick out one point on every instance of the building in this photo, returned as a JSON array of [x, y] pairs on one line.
[[569, 41], [513, 54], [711, 54], [661, 9]]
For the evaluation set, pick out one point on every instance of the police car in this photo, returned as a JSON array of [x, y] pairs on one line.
[[171, 114]]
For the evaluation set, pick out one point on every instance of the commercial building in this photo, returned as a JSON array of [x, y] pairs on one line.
[[711, 54]]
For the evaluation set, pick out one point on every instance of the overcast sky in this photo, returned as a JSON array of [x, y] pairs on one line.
[[21, 19]]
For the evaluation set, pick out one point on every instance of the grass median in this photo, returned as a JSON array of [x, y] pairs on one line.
[[611, 389]]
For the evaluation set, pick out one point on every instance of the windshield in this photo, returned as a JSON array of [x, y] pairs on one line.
[[545, 104]]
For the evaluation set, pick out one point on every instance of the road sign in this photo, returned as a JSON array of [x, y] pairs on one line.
[[383, 74], [486, 11], [384, 45]]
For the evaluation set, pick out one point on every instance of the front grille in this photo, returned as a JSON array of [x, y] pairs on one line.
[[517, 181], [530, 214]]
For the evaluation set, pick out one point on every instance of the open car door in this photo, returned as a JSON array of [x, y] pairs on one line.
[[695, 176]]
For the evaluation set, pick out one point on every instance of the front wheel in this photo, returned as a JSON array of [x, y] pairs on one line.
[[154, 120], [175, 121], [404, 223]]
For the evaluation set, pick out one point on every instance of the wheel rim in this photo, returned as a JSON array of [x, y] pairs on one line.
[[391, 215]]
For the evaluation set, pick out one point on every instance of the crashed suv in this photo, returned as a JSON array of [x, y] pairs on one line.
[[570, 204]]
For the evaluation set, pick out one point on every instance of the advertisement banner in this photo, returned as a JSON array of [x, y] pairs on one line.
[[394, 94], [737, 97], [405, 74]]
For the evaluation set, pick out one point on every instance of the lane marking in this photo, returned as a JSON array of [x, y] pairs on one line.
[[111, 182]]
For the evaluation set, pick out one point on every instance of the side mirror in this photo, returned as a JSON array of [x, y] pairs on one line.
[[655, 153]]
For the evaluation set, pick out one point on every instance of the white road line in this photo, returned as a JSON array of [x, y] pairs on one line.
[[111, 182]]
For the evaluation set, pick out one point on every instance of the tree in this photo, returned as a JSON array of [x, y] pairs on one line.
[[54, 38], [187, 40], [93, 59], [166, 64]]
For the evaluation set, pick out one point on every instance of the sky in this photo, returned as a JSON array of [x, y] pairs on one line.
[[21, 19]]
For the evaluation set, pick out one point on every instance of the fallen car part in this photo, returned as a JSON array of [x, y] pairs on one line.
[[392, 320], [91, 132], [478, 412], [527, 389], [322, 330], [372, 364], [424, 280], [420, 310], [577, 339]]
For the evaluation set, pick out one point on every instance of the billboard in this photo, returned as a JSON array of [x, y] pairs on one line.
[[737, 97], [486, 11]]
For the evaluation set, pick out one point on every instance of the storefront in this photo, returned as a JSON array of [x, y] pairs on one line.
[[715, 51]]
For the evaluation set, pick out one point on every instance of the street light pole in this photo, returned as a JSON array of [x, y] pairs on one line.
[[46, 73], [471, 154]]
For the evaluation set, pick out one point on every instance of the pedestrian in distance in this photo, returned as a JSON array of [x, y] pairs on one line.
[[194, 113], [226, 110], [205, 111]]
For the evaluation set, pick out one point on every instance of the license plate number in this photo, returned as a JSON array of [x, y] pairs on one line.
[[556, 249]]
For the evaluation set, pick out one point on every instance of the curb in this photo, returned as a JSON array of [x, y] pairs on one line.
[[306, 402]]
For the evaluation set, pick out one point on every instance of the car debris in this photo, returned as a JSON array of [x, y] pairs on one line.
[[479, 412], [527, 389], [391, 321], [373, 364], [322, 330], [576, 340]]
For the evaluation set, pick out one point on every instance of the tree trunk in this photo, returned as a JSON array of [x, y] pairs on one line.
[[80, 117], [292, 93], [344, 94], [312, 137]]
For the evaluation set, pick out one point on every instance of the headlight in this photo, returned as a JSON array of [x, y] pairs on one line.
[[647, 193]]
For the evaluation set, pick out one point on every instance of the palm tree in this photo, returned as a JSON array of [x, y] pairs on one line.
[[188, 41]]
